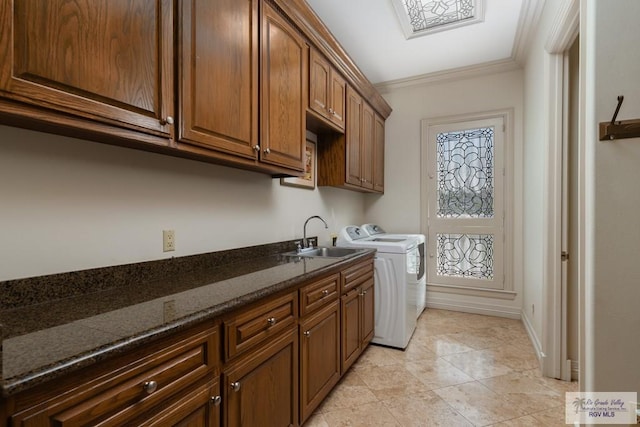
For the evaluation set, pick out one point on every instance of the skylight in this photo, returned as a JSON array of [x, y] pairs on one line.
[[421, 17]]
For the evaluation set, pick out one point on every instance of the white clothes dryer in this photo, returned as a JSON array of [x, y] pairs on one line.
[[395, 307], [418, 283]]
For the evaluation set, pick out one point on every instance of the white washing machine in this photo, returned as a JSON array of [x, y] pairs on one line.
[[395, 307], [418, 281]]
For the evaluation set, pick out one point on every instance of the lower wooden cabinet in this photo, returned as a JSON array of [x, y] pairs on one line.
[[319, 357], [357, 305], [261, 388], [368, 312], [277, 368], [136, 385]]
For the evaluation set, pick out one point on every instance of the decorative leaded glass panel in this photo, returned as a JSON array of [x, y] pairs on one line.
[[465, 169], [465, 255], [426, 14]]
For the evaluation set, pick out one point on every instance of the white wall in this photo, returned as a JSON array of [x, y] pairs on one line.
[[398, 210], [612, 286], [68, 204], [536, 147]]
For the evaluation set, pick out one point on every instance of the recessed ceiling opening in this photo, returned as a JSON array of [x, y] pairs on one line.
[[422, 17]]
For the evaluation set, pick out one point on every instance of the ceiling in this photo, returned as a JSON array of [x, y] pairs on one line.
[[369, 30]]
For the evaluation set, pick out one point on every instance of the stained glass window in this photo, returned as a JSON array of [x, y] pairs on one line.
[[465, 170], [427, 14], [465, 255]]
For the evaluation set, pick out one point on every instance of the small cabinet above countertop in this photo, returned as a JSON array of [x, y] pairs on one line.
[[354, 160]]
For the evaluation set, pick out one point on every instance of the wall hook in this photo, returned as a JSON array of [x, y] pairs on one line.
[[615, 114], [619, 130]]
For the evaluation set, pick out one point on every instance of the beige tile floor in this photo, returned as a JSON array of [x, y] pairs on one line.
[[459, 369]]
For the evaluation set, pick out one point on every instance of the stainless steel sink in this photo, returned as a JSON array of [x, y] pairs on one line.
[[330, 252]]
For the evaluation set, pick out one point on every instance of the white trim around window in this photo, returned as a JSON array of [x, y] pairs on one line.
[[500, 283]]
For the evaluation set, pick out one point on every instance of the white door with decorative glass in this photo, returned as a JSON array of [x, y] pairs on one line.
[[465, 204]]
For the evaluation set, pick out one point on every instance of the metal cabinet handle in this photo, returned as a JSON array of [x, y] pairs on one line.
[[364, 292], [150, 386], [271, 321], [235, 386], [256, 148], [267, 151], [306, 333], [215, 400], [325, 292]]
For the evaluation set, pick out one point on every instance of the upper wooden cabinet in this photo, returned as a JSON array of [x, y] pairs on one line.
[[104, 60], [354, 160], [218, 71], [353, 137], [224, 81], [283, 91], [327, 91], [378, 154]]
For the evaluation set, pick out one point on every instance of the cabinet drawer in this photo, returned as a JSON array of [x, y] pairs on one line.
[[317, 294], [354, 276], [252, 326], [116, 397]]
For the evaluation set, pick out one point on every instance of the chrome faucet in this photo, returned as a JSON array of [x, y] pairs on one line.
[[305, 244]]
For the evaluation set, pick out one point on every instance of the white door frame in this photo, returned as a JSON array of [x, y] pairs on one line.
[[554, 321]]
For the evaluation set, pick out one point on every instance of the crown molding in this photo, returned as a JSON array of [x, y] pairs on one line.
[[492, 67], [530, 15]]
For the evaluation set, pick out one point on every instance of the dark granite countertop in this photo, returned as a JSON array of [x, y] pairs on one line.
[[48, 332]]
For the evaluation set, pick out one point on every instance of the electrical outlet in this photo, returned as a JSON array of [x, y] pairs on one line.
[[168, 240]]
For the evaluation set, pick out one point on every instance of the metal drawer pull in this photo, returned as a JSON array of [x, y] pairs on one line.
[[256, 148], [306, 333], [235, 386], [267, 151], [215, 400], [325, 292], [271, 321], [150, 386]]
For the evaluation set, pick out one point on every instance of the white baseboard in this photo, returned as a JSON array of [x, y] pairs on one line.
[[532, 336], [473, 307]]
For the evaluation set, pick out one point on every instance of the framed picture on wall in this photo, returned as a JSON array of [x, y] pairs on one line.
[[308, 180]]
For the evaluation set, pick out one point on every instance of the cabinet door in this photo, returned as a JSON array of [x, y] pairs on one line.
[[368, 315], [219, 75], [367, 146], [353, 135], [261, 389], [319, 83], [351, 329], [338, 92], [283, 92], [97, 59], [378, 154], [319, 357]]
